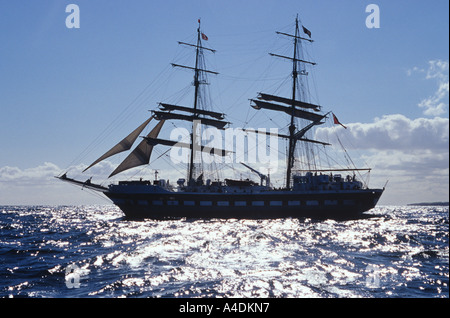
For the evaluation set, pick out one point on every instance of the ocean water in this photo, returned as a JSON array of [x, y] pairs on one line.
[[93, 251]]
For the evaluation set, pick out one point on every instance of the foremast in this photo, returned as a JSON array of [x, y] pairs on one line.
[[194, 114], [292, 143], [196, 111], [196, 87]]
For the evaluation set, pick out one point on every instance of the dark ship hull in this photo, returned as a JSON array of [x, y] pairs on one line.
[[156, 203]]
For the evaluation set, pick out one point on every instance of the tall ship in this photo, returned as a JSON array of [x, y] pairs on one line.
[[309, 191]]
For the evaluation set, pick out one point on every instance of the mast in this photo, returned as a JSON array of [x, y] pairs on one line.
[[292, 142], [196, 86], [141, 154], [297, 108], [198, 114]]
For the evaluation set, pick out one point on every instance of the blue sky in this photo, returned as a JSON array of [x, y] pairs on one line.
[[60, 88]]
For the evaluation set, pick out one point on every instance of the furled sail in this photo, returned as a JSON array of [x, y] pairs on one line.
[[205, 121], [168, 107], [288, 101], [288, 110], [124, 145], [299, 135], [141, 154]]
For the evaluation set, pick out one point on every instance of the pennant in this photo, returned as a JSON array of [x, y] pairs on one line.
[[337, 122], [306, 31], [204, 37]]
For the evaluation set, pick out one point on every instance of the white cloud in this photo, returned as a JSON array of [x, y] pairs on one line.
[[436, 104], [38, 185], [437, 69], [412, 153], [415, 69], [40, 174], [394, 132]]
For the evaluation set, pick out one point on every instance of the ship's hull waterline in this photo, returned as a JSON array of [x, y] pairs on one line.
[[327, 205]]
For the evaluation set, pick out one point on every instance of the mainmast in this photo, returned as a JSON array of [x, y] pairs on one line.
[[297, 106]]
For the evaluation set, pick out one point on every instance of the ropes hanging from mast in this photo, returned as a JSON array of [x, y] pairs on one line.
[[295, 102]]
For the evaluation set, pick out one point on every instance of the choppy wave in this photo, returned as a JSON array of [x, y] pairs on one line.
[[93, 251]]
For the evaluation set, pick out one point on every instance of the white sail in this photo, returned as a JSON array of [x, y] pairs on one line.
[[141, 154], [124, 145]]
